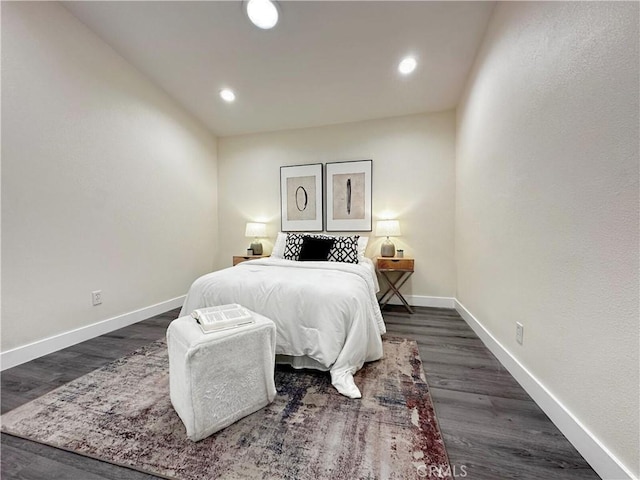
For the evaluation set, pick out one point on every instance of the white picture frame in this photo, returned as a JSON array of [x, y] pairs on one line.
[[349, 196], [301, 204]]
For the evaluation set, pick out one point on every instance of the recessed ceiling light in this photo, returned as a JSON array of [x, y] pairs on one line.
[[227, 95], [262, 13], [407, 65]]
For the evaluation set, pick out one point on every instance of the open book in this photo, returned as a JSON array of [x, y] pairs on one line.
[[222, 317]]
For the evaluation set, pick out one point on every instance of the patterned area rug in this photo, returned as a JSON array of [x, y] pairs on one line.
[[122, 414]]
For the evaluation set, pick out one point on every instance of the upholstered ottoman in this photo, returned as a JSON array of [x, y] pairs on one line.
[[217, 378]]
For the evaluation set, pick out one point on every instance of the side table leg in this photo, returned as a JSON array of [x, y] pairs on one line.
[[394, 289]]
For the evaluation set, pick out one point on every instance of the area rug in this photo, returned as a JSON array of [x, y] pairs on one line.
[[122, 414]]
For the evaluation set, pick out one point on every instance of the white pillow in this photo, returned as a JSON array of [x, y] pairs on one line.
[[362, 247], [278, 247]]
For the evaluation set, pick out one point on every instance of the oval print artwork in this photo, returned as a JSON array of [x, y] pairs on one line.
[[301, 198]]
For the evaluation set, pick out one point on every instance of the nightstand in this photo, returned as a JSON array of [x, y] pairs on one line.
[[396, 271], [238, 259]]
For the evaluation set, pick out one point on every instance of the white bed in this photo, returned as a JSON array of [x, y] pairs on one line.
[[326, 313]]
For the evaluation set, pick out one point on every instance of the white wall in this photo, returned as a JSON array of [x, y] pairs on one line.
[[106, 182], [547, 204], [413, 178]]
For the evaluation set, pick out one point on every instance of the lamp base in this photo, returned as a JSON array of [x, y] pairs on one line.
[[257, 248], [388, 249]]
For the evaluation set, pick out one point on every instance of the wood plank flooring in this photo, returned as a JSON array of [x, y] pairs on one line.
[[491, 428]]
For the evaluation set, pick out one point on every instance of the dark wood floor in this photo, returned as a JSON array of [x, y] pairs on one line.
[[492, 429], [489, 423]]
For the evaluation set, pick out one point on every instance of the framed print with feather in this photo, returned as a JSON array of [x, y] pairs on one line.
[[349, 196]]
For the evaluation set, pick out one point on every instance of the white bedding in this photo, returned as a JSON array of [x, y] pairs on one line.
[[326, 311]]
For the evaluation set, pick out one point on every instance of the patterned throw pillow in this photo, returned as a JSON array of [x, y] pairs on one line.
[[345, 249], [293, 246]]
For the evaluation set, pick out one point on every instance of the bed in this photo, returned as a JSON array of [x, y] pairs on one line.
[[326, 313]]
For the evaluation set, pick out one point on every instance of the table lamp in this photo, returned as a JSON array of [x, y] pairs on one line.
[[256, 230], [388, 228]]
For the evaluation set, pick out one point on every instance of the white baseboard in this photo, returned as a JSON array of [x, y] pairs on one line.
[[424, 301], [594, 452], [25, 353]]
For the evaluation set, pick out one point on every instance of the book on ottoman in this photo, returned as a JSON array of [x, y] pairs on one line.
[[221, 317]]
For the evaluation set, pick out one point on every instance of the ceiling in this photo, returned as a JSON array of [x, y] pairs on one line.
[[324, 63]]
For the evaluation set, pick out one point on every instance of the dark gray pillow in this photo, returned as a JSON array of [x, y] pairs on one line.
[[315, 249]]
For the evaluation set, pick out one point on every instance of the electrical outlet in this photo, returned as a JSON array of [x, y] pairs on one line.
[[519, 333], [96, 297]]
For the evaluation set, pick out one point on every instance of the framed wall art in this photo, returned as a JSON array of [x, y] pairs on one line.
[[301, 198], [349, 196]]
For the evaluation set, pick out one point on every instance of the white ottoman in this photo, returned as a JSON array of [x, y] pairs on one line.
[[217, 378]]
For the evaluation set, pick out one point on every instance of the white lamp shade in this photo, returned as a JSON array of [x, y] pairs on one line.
[[388, 228], [256, 230]]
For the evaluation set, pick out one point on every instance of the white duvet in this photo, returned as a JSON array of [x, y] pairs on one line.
[[325, 311]]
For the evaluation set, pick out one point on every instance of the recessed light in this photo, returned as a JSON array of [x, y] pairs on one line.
[[262, 13], [227, 95], [407, 65]]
